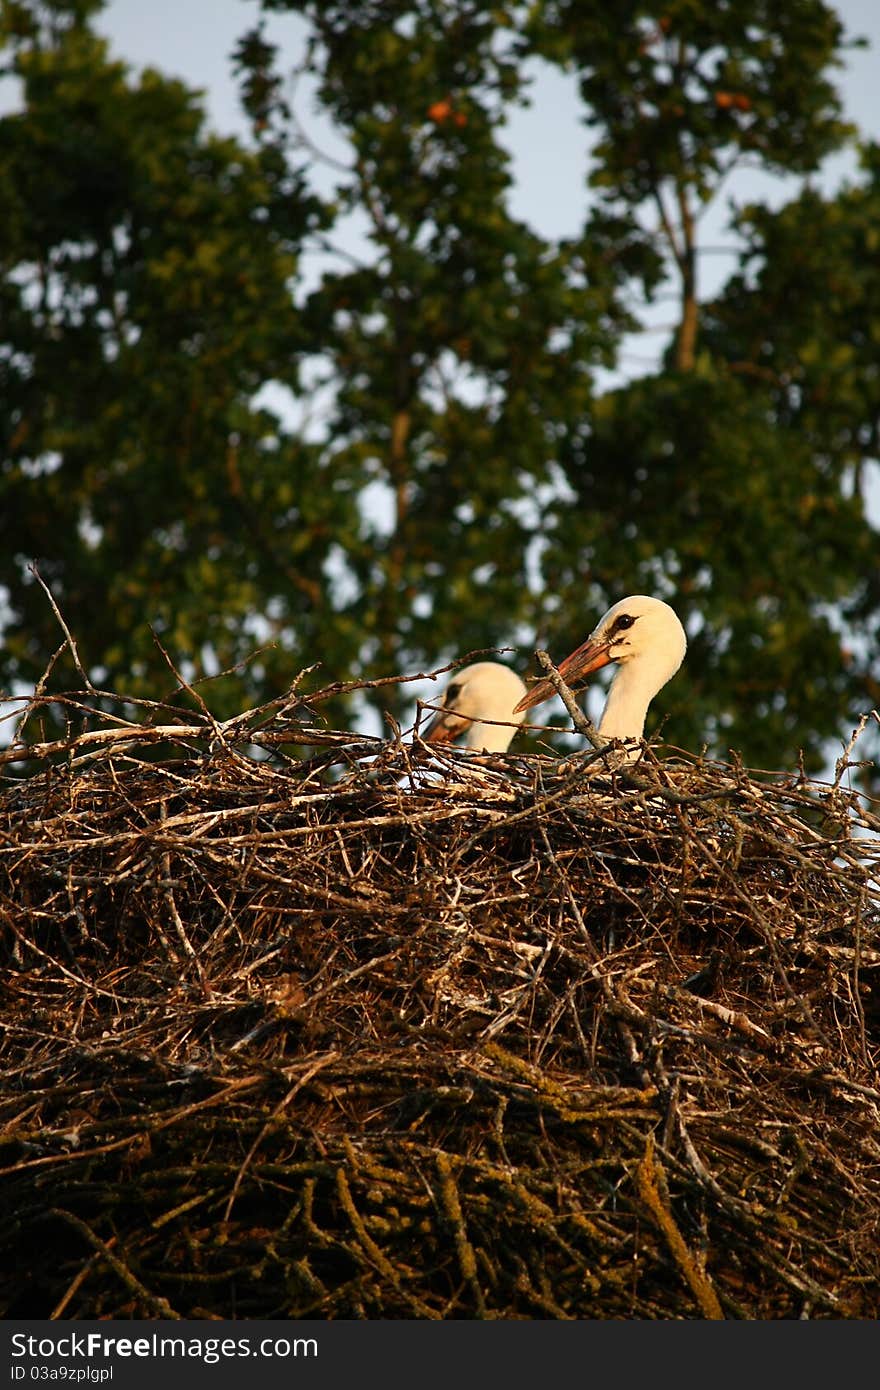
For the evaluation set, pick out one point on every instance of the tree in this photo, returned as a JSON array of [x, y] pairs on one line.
[[810, 272], [461, 348], [688, 487], [145, 271], [681, 94], [468, 486], [701, 482]]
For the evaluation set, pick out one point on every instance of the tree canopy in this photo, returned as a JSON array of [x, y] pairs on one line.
[[453, 474]]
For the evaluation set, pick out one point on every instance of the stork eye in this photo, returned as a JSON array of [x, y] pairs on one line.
[[624, 621], [452, 693]]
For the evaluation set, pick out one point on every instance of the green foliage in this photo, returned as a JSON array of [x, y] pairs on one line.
[[680, 89], [811, 275], [146, 268], [681, 93], [461, 349], [688, 486]]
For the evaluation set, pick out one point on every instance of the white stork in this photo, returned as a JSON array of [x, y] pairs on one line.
[[484, 691], [645, 639]]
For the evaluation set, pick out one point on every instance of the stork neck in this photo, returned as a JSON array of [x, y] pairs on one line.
[[626, 706], [488, 738]]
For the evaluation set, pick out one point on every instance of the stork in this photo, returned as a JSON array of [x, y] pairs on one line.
[[484, 691], [646, 641]]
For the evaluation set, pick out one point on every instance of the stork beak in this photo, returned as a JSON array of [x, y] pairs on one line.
[[444, 727], [589, 657]]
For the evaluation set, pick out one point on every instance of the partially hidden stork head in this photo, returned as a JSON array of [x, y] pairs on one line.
[[484, 691]]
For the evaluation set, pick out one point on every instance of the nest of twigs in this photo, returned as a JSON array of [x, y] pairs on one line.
[[378, 1030]]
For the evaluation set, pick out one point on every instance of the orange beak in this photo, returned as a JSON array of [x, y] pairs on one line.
[[586, 659], [444, 727]]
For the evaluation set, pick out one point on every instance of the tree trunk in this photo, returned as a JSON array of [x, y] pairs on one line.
[[686, 341]]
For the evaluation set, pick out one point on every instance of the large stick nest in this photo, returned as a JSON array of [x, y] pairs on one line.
[[378, 1030]]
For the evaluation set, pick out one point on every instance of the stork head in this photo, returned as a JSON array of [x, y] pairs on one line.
[[639, 631], [485, 691]]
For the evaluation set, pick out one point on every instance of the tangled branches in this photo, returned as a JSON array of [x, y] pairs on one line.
[[379, 1030]]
